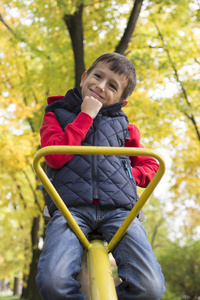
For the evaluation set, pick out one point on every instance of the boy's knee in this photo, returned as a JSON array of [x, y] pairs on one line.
[[48, 284], [154, 290], [56, 286], [148, 289], [154, 294]]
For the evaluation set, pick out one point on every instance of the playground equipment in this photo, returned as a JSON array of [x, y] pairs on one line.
[[101, 281]]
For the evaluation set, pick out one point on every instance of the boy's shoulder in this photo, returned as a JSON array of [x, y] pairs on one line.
[[71, 93], [134, 131], [53, 99]]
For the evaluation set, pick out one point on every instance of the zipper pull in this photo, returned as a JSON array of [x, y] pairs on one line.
[[128, 170], [41, 186]]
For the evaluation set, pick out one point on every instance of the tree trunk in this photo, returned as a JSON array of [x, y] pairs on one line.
[[74, 24], [31, 291], [16, 286], [123, 44]]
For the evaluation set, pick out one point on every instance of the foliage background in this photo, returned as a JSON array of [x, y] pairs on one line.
[[38, 59]]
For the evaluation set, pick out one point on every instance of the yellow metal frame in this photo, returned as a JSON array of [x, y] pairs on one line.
[[101, 281]]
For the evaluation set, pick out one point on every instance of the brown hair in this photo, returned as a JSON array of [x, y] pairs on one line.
[[119, 64]]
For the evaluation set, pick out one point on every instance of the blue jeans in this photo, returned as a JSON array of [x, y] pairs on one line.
[[60, 261]]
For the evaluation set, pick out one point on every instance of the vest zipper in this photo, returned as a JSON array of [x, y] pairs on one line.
[[94, 169], [127, 169]]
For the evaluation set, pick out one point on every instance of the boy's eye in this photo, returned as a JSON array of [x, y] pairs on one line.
[[97, 75], [113, 86]]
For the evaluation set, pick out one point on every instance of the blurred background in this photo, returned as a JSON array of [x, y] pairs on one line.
[[45, 46]]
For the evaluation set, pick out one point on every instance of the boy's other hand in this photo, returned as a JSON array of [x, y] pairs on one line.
[[91, 106]]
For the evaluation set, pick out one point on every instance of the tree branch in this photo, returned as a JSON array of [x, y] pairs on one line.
[[7, 26], [123, 44], [20, 193], [19, 37], [189, 116], [33, 191], [153, 238], [74, 24]]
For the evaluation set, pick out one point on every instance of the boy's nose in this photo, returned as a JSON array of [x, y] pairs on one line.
[[101, 85]]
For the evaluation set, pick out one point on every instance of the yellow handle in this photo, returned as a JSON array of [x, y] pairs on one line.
[[92, 150]]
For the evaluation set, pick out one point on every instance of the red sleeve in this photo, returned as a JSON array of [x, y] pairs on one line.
[[53, 135], [143, 167]]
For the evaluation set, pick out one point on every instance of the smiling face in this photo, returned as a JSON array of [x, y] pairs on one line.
[[104, 85]]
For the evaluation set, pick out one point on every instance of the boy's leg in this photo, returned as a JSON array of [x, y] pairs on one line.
[[60, 262], [138, 268]]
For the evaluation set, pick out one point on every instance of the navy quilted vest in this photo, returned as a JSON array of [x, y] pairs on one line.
[[86, 177]]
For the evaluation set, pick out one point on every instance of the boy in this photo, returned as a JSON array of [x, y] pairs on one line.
[[99, 190]]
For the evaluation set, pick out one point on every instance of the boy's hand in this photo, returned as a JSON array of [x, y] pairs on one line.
[[91, 106]]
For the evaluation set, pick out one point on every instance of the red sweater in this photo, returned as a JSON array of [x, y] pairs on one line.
[[143, 167]]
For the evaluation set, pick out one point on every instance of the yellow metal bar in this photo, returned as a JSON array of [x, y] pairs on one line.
[[101, 280], [140, 203], [57, 199], [92, 150], [102, 285]]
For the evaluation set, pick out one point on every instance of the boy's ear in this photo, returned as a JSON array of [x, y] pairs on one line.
[[83, 77], [125, 102]]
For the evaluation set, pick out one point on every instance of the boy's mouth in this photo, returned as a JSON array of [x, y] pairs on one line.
[[96, 94]]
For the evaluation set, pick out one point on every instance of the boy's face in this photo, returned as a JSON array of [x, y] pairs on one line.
[[104, 85]]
